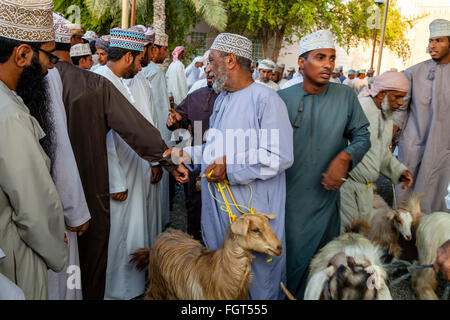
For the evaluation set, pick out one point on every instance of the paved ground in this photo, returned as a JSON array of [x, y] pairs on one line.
[[400, 291]]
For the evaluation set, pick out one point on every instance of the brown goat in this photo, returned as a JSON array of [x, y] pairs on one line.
[[181, 268], [387, 224]]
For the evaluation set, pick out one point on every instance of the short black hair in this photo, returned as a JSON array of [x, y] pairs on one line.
[[92, 46], [305, 55], [76, 60], [62, 46], [7, 47], [115, 53]]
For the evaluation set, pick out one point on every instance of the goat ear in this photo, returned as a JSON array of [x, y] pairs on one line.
[[240, 226], [391, 215], [270, 216]]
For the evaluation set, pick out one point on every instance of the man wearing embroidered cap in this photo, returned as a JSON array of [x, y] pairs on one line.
[[94, 106], [265, 68], [81, 56], [423, 121], [101, 46], [244, 106], [31, 220], [330, 138], [379, 104]]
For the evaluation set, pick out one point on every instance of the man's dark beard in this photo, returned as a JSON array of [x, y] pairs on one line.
[[32, 88]]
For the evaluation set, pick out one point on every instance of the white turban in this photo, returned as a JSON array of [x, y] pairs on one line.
[[322, 39]]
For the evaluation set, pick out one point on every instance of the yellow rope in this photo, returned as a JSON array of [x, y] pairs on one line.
[[368, 185], [226, 206], [395, 197]]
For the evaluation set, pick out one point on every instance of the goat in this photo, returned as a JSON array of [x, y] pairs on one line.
[[347, 268], [433, 231], [181, 268], [386, 224]]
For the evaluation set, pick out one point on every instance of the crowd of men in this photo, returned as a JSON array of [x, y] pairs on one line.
[[87, 155]]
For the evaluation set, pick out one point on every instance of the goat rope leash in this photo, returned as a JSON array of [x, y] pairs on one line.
[[226, 206], [411, 269]]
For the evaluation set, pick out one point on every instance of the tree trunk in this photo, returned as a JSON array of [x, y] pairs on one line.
[[159, 15], [263, 36], [279, 36], [125, 13]]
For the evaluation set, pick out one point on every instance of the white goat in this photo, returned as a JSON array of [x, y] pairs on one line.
[[347, 268], [433, 231], [387, 224]]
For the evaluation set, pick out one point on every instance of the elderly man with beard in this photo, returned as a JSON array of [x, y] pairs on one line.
[[248, 147], [330, 138], [31, 213], [379, 104], [94, 106], [425, 134], [193, 112]]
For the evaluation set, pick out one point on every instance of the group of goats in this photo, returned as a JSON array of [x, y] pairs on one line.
[[350, 267]]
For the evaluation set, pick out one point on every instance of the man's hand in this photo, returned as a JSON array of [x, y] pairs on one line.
[[177, 155], [407, 179], [174, 118], [334, 177], [120, 196], [156, 174], [181, 174], [217, 170], [442, 263], [80, 229]]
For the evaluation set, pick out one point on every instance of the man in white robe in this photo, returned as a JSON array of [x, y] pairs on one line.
[[128, 177], [360, 83], [425, 139], [176, 77], [155, 75], [193, 71], [141, 91], [68, 184], [266, 68]]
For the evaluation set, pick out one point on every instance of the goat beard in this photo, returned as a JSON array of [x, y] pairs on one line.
[[32, 88]]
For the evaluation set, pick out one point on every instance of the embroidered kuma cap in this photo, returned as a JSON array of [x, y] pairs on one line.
[[127, 39], [322, 39], [80, 49], [27, 20], [233, 43]]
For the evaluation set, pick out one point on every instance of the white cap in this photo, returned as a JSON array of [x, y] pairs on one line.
[[322, 39], [80, 49], [233, 43], [267, 64], [440, 28]]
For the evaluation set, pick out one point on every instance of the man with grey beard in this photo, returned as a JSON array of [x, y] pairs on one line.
[[253, 171], [379, 104], [31, 214]]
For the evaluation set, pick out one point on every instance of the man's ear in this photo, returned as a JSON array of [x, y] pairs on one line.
[[381, 95], [231, 61], [128, 58], [301, 62], [22, 55]]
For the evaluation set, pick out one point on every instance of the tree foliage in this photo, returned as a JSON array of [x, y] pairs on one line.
[[348, 20]]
